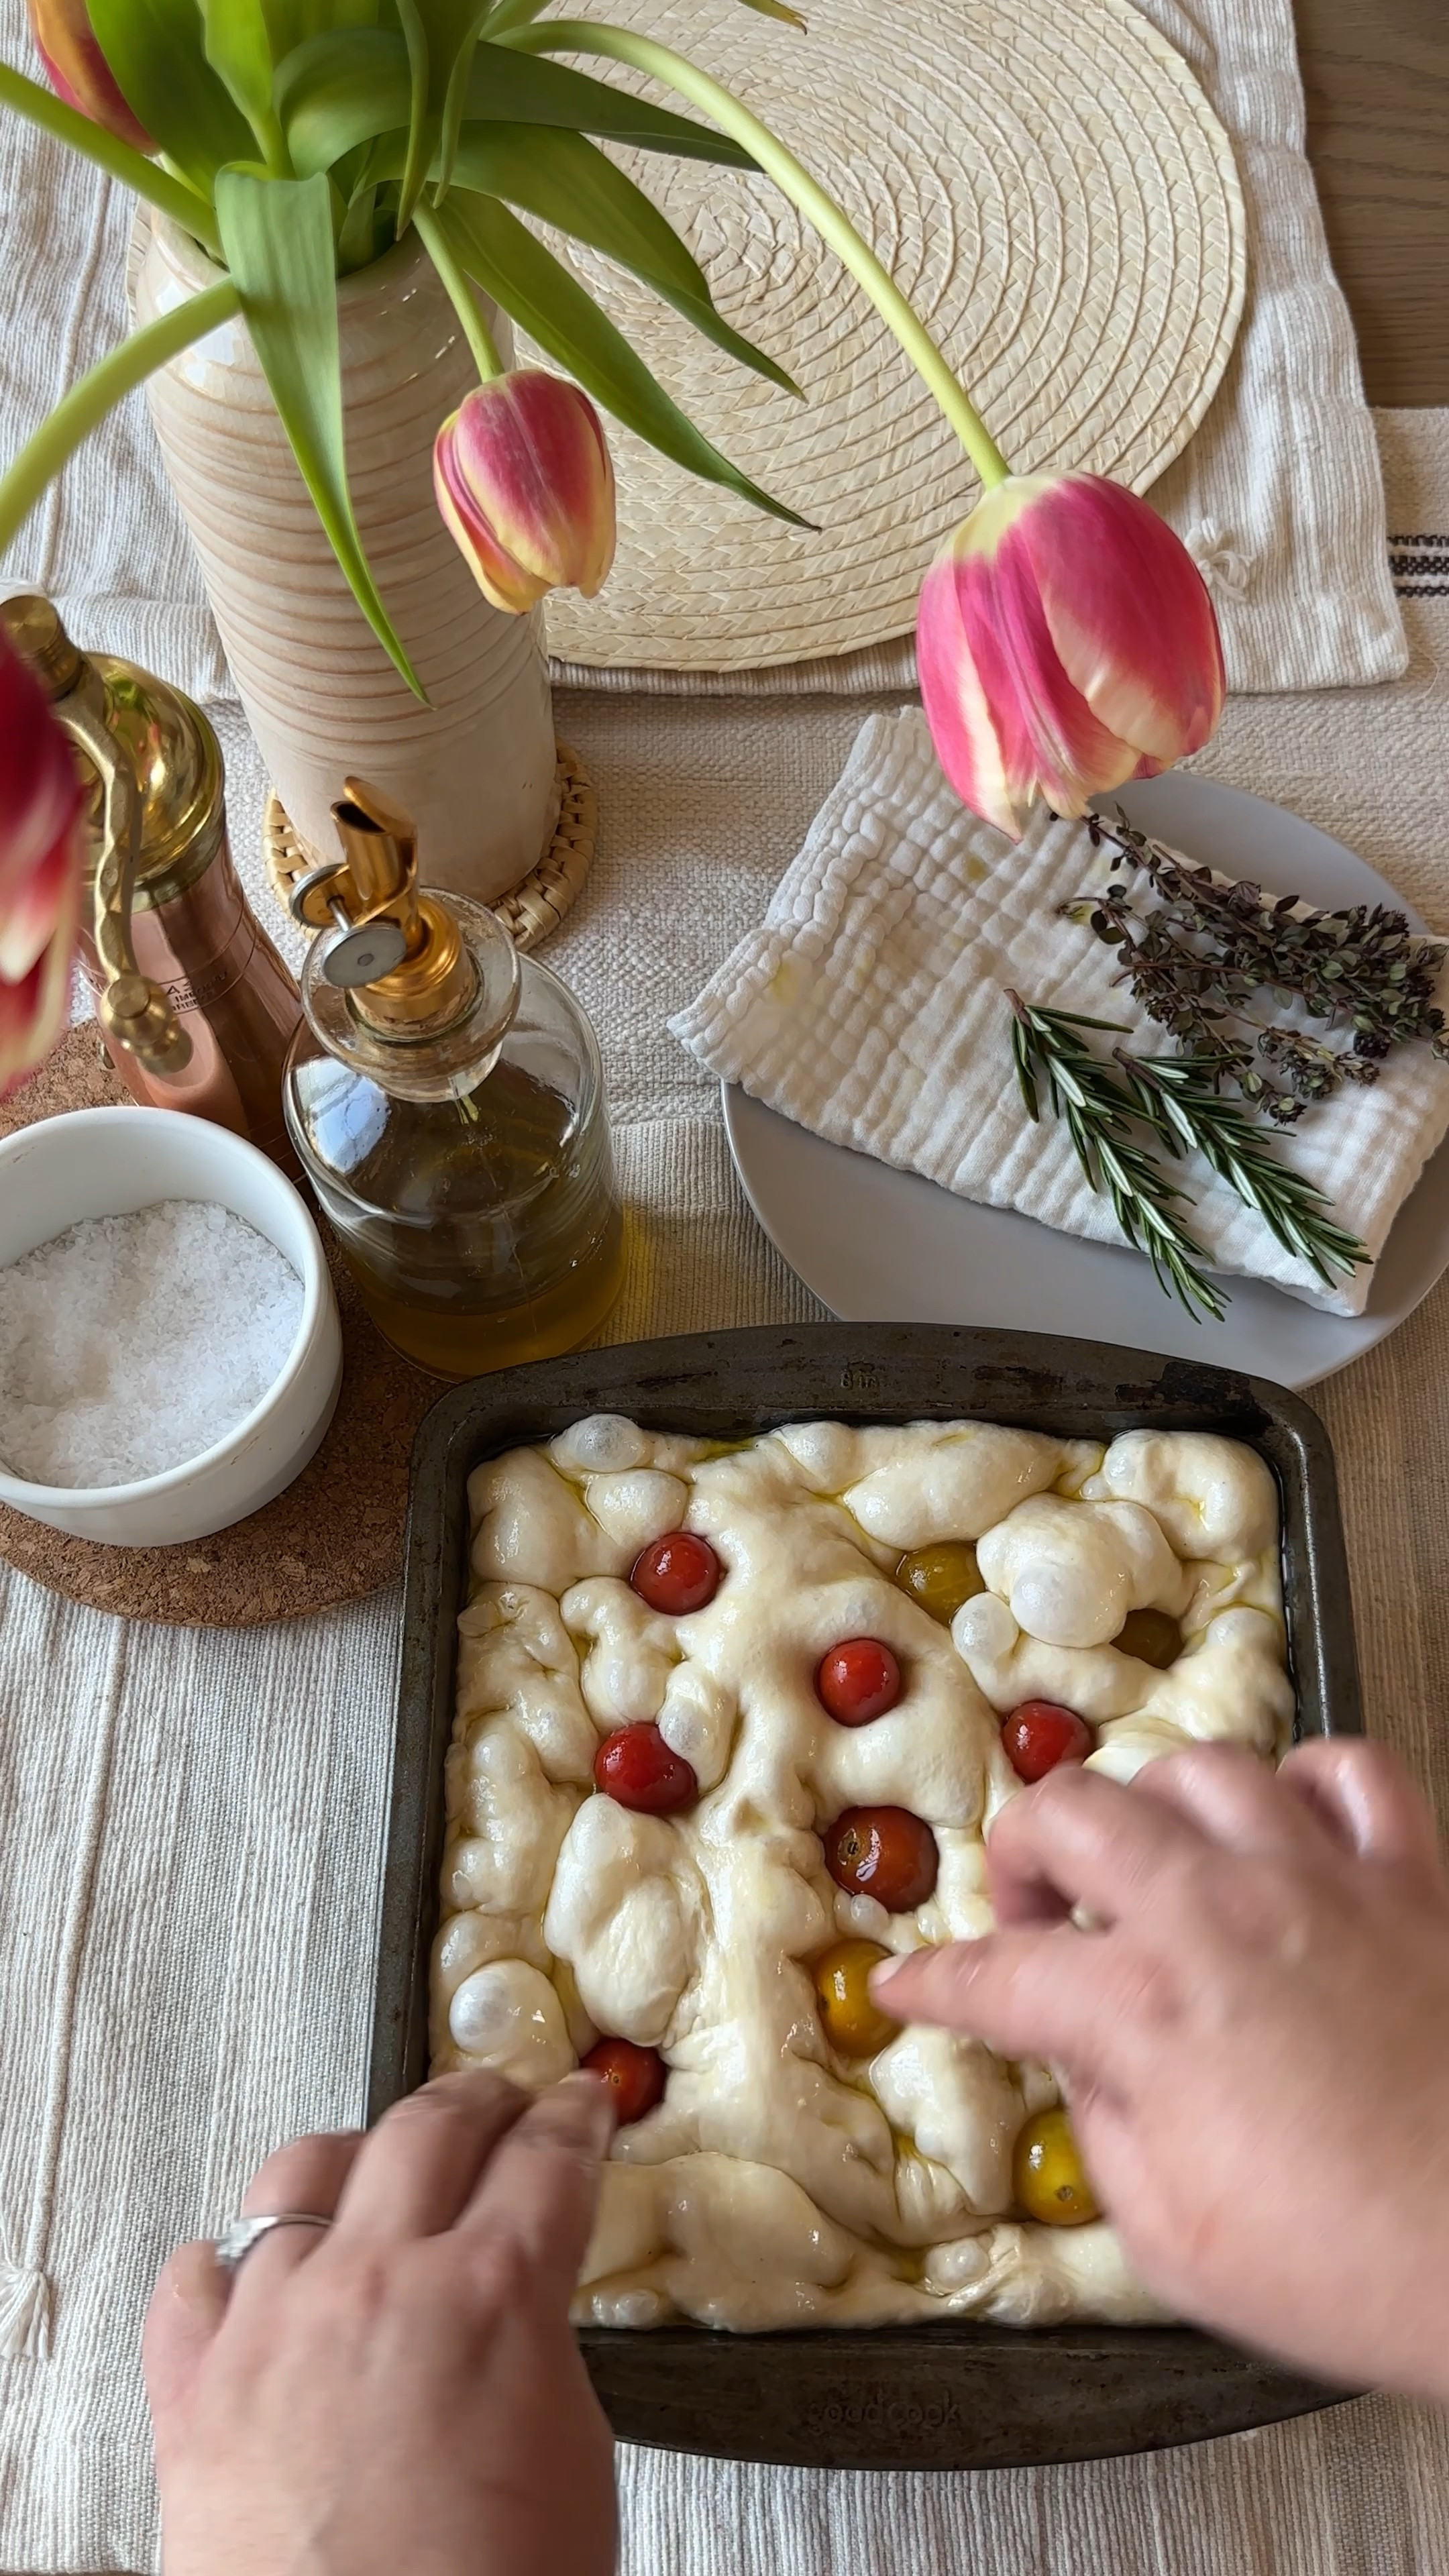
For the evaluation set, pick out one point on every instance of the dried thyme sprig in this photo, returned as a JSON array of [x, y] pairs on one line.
[[1177, 1097], [1099, 1111], [1359, 967], [1174, 986]]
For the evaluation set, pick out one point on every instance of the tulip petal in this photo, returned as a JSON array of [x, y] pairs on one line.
[[29, 914], [525, 482], [956, 707], [502, 580], [42, 843], [35, 1007], [1129, 615], [1065, 643], [78, 71], [1052, 743]]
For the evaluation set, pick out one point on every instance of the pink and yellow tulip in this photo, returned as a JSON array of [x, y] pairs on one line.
[[524, 480], [78, 71], [42, 842], [1065, 643]]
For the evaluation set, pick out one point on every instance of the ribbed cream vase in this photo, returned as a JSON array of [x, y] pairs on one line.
[[475, 767]]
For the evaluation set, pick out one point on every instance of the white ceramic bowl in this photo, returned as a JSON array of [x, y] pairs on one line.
[[107, 1162]]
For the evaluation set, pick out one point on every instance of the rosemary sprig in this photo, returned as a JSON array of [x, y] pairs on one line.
[[1099, 1111], [1177, 1097]]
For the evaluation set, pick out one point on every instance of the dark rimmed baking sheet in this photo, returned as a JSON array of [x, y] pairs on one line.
[[953, 2395]]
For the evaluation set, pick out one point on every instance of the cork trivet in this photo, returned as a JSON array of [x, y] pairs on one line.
[[332, 1536], [536, 905]]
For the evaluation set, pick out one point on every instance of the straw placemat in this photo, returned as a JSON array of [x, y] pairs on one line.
[[1049, 187]]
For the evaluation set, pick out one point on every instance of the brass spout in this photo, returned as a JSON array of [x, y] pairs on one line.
[[399, 955], [134, 1012]]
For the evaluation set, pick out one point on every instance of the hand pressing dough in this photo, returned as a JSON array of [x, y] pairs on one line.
[[777, 2183]]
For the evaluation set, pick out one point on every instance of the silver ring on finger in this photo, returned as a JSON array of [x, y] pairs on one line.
[[239, 2235]]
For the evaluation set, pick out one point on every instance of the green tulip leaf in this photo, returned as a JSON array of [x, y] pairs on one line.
[[455, 99], [422, 125], [356, 177], [338, 90], [154, 48], [277, 235], [442, 37], [503, 257], [512, 13], [566, 181], [292, 22], [108, 152], [777, 9], [239, 49], [357, 238], [502, 83], [108, 382]]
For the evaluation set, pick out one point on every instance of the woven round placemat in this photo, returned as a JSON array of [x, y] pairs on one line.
[[535, 907], [332, 1536], [1049, 187]]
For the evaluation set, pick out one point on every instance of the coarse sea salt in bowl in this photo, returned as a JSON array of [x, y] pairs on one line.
[[101, 1367]]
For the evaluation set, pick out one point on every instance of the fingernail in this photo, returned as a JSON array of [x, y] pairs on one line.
[[886, 1975], [591, 2102]]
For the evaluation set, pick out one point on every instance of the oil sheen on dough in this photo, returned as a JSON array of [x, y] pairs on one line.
[[777, 2184]]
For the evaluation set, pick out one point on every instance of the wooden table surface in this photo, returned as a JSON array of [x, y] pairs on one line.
[[1376, 74]]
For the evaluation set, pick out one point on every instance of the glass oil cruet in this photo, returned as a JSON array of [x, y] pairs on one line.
[[446, 1101]]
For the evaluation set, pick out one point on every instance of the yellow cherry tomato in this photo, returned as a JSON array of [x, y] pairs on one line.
[[1047, 2176], [854, 2023], [1152, 1636], [941, 1577]]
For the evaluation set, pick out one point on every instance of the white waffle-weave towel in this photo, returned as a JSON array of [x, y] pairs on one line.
[[870, 1006]]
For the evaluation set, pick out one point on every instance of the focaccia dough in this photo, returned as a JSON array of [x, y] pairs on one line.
[[777, 2183]]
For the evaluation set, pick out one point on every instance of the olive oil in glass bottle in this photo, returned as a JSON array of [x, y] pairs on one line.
[[445, 1099]]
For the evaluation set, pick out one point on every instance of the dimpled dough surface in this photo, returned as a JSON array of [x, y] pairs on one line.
[[776, 2183]]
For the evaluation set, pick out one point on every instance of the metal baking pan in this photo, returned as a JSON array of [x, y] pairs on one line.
[[954, 2395]]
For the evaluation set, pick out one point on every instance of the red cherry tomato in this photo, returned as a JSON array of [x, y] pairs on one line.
[[677, 1573], [858, 1680], [635, 2076], [884, 1852], [1039, 1735], [637, 1768]]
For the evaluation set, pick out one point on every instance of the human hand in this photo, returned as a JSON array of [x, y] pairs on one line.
[[403, 2390], [1253, 2037]]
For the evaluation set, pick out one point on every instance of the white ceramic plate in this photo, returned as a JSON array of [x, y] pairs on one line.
[[883, 1246]]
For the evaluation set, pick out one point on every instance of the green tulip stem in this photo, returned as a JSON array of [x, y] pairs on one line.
[[175, 197], [661, 63], [464, 302], [87, 403]]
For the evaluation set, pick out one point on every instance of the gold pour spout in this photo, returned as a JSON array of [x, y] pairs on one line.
[[134, 1012], [398, 950]]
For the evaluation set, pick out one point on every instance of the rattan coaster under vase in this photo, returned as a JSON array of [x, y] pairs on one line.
[[534, 908], [333, 1536]]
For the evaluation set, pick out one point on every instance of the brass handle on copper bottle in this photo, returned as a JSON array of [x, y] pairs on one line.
[[134, 1012]]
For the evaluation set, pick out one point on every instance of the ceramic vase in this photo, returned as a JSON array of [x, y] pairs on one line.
[[475, 767]]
